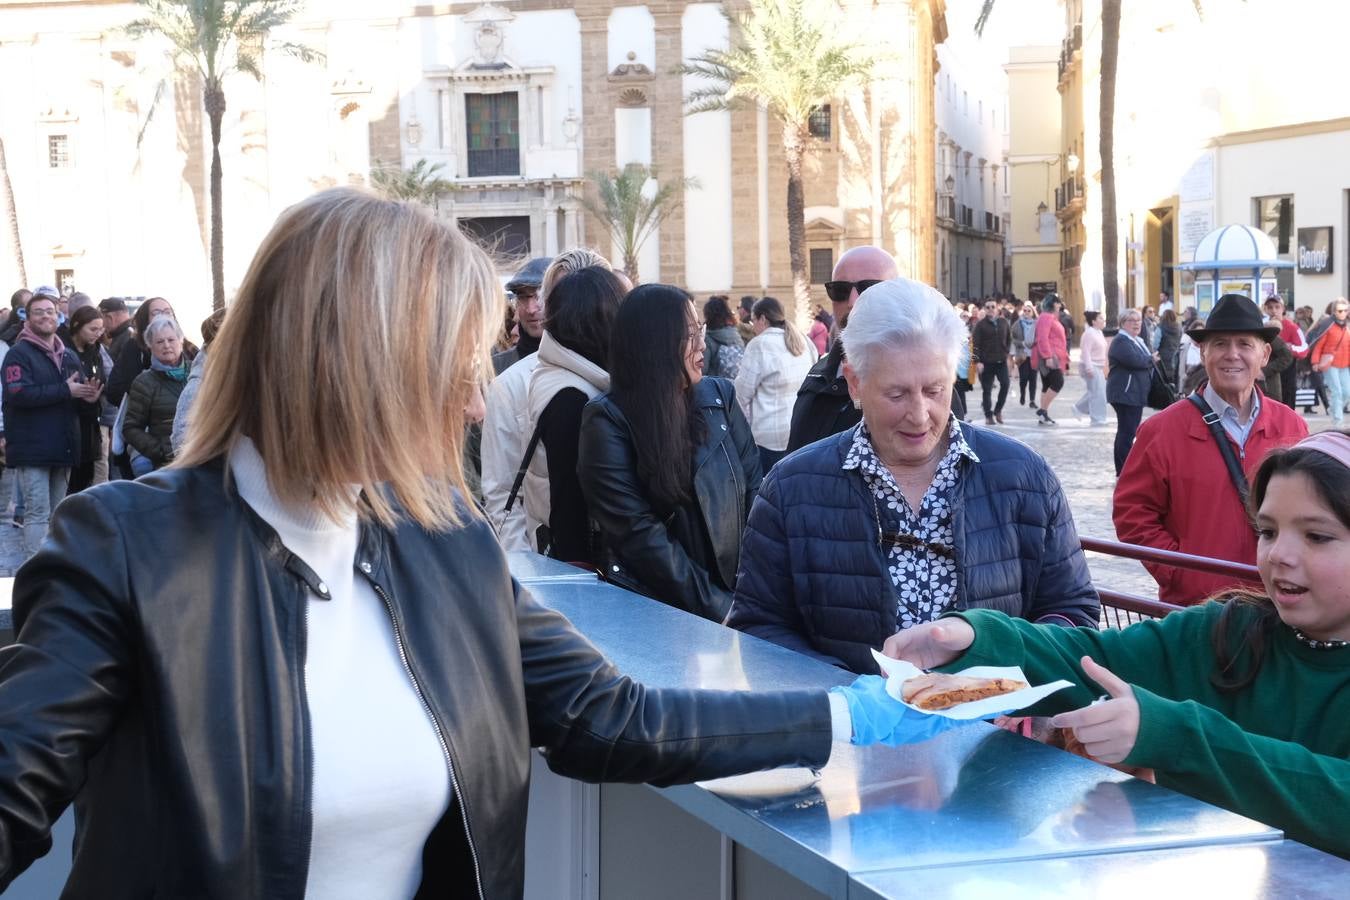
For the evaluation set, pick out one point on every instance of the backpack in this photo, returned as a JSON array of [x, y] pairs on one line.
[[729, 360]]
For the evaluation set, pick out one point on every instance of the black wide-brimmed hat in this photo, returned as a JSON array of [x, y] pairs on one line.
[[1235, 314]]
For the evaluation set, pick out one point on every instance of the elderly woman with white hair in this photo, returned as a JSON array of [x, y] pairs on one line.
[[152, 401], [911, 513]]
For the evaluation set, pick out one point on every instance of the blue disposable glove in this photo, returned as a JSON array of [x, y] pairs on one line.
[[878, 718]]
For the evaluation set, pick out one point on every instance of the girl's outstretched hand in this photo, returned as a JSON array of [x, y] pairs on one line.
[[1107, 728]]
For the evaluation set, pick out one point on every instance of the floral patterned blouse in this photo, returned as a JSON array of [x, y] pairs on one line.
[[920, 547]]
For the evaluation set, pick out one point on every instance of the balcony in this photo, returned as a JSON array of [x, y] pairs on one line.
[[1069, 199], [1069, 51], [1070, 258]]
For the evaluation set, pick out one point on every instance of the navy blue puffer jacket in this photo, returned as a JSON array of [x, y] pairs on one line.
[[813, 577]]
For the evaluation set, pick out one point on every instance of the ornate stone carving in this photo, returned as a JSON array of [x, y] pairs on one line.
[[632, 97], [489, 36], [632, 70]]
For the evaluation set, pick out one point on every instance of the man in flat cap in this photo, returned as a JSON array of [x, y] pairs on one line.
[[1184, 484]]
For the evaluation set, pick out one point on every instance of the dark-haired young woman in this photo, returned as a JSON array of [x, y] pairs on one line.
[[573, 355], [666, 461], [86, 339], [1241, 703], [723, 346]]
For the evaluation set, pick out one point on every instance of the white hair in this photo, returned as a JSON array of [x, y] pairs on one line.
[[902, 313], [158, 324]]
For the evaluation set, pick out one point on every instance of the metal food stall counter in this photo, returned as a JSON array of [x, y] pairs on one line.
[[976, 797]]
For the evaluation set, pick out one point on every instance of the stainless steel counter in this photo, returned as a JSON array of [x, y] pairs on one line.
[[1270, 871], [971, 797], [531, 567]]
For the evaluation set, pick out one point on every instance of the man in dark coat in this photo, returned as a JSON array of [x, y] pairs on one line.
[[823, 406], [42, 382], [992, 344], [529, 312]]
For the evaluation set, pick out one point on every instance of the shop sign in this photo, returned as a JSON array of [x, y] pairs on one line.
[[1314, 251]]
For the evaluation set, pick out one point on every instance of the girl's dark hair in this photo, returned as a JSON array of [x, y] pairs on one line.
[[1090, 316], [717, 312], [82, 317], [142, 319], [579, 311], [1241, 637], [649, 385]]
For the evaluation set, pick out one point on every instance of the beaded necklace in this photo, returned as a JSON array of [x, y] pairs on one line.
[[1319, 645]]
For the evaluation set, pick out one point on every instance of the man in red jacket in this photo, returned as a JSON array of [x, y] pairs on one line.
[[1175, 492]]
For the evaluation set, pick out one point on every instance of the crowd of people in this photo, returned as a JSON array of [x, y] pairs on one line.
[[822, 490], [91, 392]]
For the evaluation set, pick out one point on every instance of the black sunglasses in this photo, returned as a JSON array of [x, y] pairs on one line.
[[839, 291], [910, 542]]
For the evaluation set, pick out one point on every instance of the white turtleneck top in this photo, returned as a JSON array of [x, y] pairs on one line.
[[380, 781]]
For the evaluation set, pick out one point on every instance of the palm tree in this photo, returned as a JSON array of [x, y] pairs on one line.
[[421, 184], [791, 56], [217, 38], [631, 213], [12, 214], [1106, 145]]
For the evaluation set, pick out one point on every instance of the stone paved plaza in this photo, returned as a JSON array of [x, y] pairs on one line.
[[1079, 454]]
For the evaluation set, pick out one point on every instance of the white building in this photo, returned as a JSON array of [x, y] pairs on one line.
[[519, 105], [971, 175]]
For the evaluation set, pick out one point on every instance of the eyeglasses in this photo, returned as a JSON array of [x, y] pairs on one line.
[[840, 291], [41, 313], [910, 542]]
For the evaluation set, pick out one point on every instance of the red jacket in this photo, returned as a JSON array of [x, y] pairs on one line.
[[1174, 493], [1050, 341]]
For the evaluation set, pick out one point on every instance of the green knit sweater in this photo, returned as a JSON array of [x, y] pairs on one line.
[[1278, 751]]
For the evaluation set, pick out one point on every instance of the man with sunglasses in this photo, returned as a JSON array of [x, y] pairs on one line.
[[823, 405]]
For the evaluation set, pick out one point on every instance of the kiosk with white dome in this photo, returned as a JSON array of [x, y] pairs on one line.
[[1234, 259]]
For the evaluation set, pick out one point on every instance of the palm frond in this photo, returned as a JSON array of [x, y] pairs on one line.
[[421, 184], [983, 18], [629, 211], [790, 56]]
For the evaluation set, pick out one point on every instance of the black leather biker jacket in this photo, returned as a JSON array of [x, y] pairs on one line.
[[158, 682]]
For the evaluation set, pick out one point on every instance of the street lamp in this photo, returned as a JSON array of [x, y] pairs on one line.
[[950, 182], [1073, 162]]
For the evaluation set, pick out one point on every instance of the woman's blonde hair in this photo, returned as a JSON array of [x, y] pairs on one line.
[[357, 340], [567, 262]]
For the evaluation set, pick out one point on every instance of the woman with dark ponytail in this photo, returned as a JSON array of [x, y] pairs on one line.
[[666, 460], [776, 362], [1242, 701]]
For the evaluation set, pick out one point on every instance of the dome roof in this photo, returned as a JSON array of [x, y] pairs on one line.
[[1236, 246]]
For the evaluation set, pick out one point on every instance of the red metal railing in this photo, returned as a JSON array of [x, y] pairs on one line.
[[1119, 609]]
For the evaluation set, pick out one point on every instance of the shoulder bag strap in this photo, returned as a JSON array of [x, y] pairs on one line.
[[1225, 448], [524, 467]]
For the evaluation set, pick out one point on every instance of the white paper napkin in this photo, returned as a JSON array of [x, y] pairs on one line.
[[898, 671]]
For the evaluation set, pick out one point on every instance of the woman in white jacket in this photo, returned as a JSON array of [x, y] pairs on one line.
[[775, 364]]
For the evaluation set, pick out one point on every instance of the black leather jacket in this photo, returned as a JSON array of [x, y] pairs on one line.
[[686, 557], [823, 405], [158, 680]]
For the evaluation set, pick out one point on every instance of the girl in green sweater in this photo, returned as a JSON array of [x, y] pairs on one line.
[[1245, 702]]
